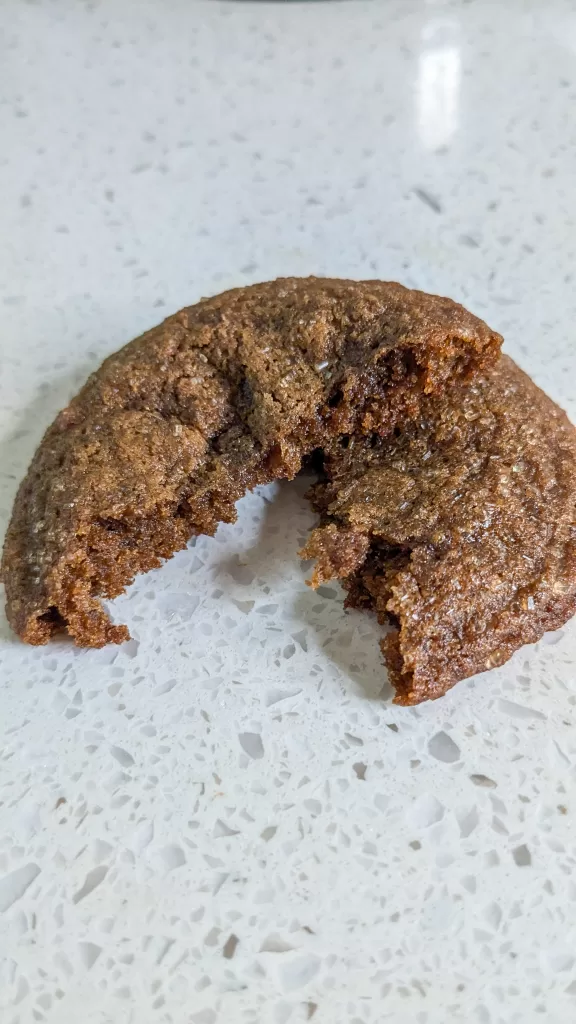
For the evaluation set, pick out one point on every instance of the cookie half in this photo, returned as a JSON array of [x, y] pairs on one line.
[[459, 530], [232, 392]]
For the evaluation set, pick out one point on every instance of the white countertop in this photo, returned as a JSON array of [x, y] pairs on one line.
[[226, 820]]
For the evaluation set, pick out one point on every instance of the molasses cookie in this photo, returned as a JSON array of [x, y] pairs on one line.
[[458, 529], [232, 392]]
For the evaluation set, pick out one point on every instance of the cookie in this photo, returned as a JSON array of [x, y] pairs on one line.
[[459, 530], [232, 392]]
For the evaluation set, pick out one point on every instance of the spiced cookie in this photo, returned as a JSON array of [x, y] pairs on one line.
[[232, 392], [459, 529]]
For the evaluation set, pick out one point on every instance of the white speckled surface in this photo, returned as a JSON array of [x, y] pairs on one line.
[[226, 820]]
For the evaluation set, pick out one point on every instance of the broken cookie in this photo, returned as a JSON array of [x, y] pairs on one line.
[[232, 392], [459, 529]]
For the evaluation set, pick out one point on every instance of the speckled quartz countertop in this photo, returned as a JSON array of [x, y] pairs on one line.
[[226, 820]]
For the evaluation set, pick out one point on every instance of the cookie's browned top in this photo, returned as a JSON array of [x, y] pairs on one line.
[[465, 528], [172, 429]]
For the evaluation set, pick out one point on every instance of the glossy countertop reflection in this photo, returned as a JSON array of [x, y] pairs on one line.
[[226, 820]]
